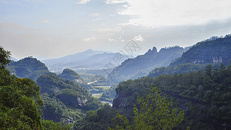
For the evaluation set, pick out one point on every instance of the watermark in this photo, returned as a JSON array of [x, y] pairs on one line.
[[120, 57], [109, 68], [132, 47], [128, 51]]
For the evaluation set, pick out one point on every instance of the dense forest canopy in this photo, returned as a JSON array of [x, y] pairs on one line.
[[21, 104], [28, 67], [20, 100], [204, 95], [69, 74]]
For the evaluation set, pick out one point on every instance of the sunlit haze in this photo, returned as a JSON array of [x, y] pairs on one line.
[[55, 28]]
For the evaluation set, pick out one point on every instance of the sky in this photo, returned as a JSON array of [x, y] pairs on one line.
[[55, 28]]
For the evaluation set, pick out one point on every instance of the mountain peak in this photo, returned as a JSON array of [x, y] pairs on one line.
[[153, 51], [89, 50]]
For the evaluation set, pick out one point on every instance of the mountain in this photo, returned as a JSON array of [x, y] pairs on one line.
[[86, 60], [73, 76], [213, 50], [28, 68], [64, 100], [100, 61], [70, 75], [65, 95], [179, 69], [143, 64], [203, 95], [13, 59]]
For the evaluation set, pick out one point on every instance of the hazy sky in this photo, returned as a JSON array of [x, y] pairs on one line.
[[55, 28]]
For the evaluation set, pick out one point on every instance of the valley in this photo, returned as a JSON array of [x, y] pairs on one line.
[[115, 65], [197, 83]]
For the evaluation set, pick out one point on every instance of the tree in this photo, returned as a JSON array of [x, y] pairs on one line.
[[121, 123], [96, 120], [50, 125], [4, 57], [155, 112], [19, 100], [208, 70]]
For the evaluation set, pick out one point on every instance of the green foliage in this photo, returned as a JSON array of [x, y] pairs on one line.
[[65, 100], [96, 120], [57, 111], [50, 125], [182, 68], [70, 74], [155, 112], [109, 94], [209, 51], [4, 57], [204, 95], [120, 123], [28, 68], [51, 83], [19, 101]]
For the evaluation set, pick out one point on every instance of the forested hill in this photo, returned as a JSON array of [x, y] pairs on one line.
[[143, 64], [65, 97], [28, 68], [69, 74], [64, 100], [210, 51], [204, 95]]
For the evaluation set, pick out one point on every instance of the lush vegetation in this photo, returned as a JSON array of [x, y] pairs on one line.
[[51, 82], [28, 68], [57, 111], [21, 105], [65, 100], [66, 97], [19, 100], [97, 120], [182, 68], [109, 94], [154, 113], [208, 93], [71, 75], [209, 51], [200, 89], [204, 95], [50, 125]]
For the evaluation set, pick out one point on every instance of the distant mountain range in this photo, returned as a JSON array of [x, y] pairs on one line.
[[213, 51], [86, 60], [143, 64]]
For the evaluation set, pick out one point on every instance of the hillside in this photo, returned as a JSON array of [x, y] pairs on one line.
[[182, 68], [28, 68], [213, 50], [64, 100], [203, 95], [65, 97], [143, 64], [70, 75]]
